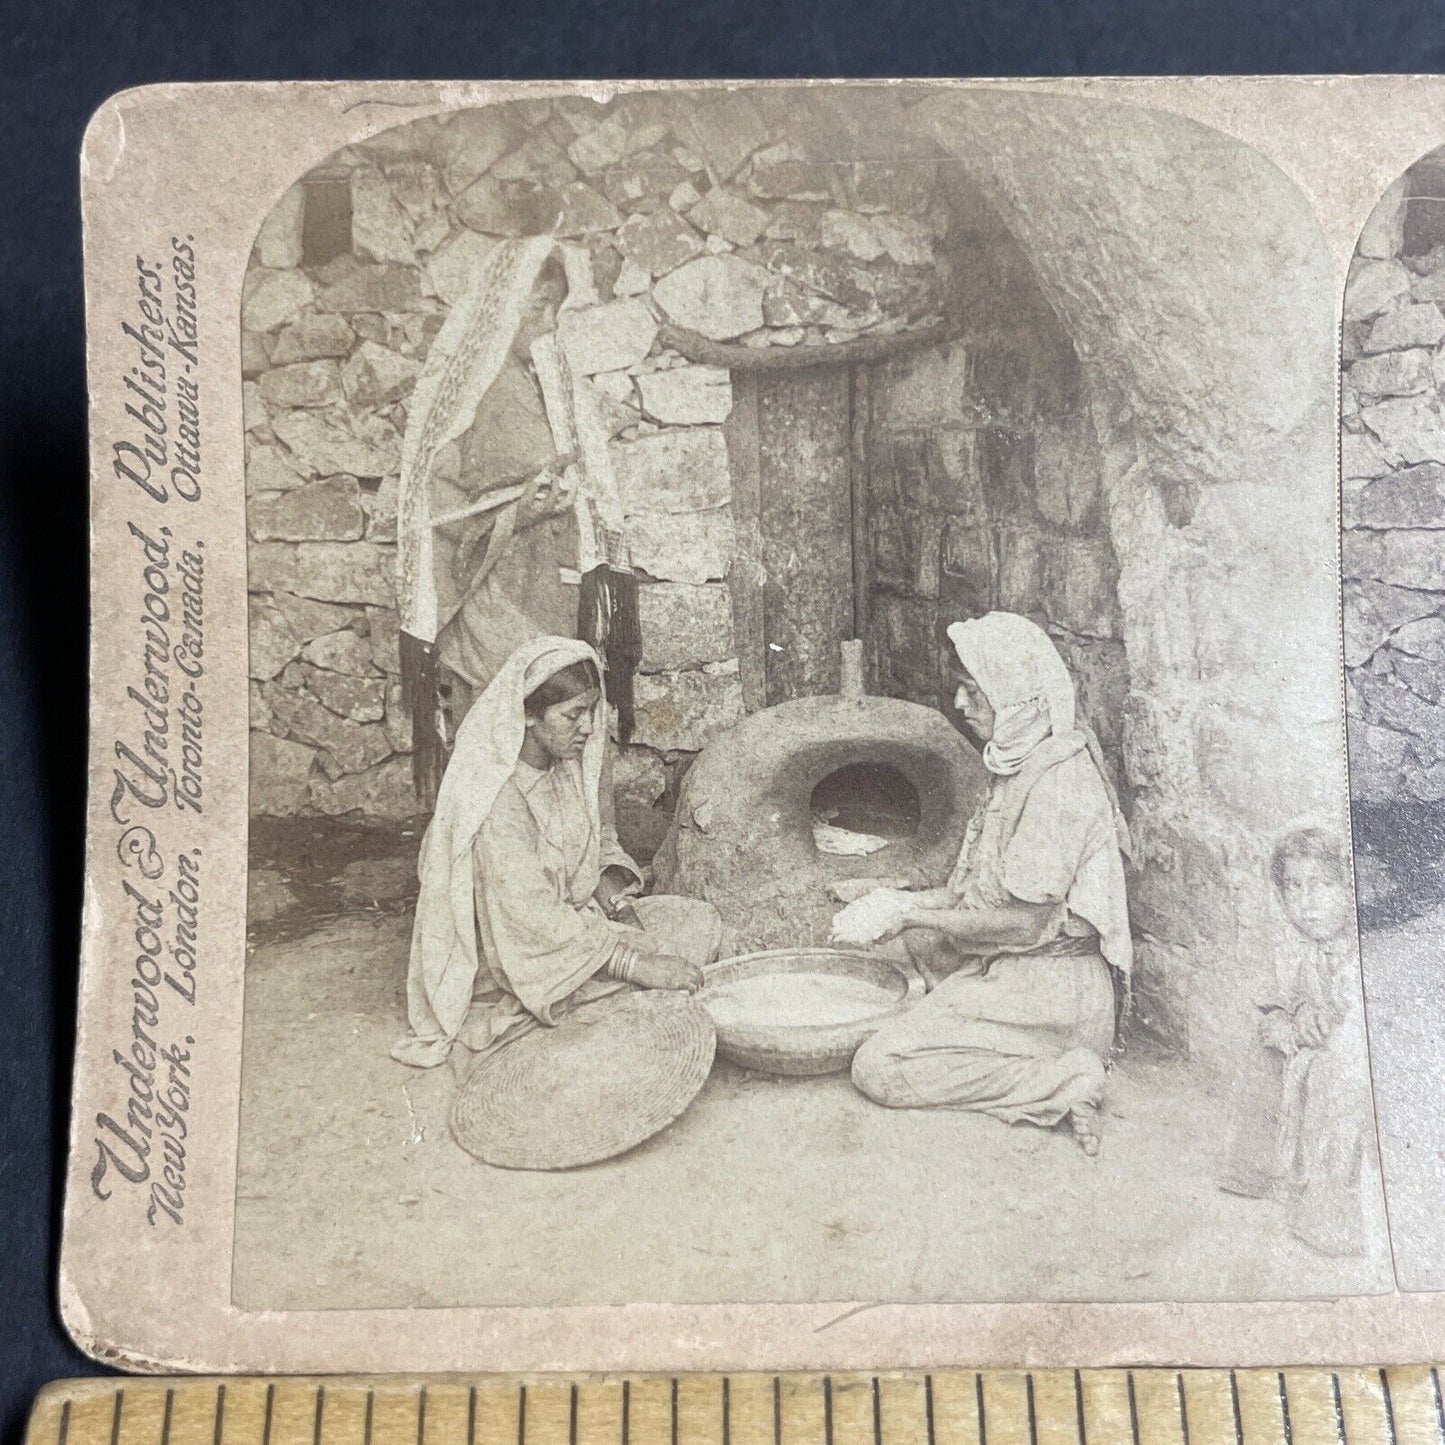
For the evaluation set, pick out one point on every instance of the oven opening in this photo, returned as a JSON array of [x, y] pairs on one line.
[[862, 808]]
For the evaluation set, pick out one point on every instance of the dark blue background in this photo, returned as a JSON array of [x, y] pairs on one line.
[[60, 60]]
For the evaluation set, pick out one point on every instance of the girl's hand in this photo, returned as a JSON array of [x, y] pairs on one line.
[[666, 970]]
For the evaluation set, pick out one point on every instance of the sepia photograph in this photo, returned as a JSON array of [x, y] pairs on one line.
[[796, 710]]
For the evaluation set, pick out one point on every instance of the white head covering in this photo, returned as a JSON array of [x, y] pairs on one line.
[[444, 961], [1020, 672]]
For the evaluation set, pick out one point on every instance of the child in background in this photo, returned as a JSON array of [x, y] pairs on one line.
[[1302, 1111]]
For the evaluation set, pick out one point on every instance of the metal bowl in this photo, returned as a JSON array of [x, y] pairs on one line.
[[804, 1048]]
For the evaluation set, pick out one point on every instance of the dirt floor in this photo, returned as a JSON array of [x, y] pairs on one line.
[[351, 1193]]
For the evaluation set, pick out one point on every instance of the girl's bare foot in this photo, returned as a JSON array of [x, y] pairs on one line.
[[1084, 1124]]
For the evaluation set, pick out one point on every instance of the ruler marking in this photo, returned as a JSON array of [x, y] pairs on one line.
[[1183, 1407], [1234, 1401], [1389, 1406], [1339, 1409], [64, 1432], [674, 1411], [471, 1415], [1079, 1409], [370, 1405], [420, 1418], [1134, 1409], [115, 1416], [220, 1415], [1033, 1418], [166, 1418], [270, 1403], [1284, 1408], [877, 1414], [777, 1411], [727, 1414], [316, 1416], [982, 1419], [571, 1416], [626, 1413], [928, 1411], [1434, 1385], [522, 1414], [827, 1410]]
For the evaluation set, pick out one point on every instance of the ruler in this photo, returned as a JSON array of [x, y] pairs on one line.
[[1396, 1406]]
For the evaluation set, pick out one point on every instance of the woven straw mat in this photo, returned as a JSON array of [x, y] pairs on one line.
[[604, 1079]]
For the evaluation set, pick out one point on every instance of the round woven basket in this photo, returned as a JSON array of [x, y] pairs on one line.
[[607, 1077]]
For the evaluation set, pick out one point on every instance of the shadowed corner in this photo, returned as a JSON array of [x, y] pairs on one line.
[[43, 659]]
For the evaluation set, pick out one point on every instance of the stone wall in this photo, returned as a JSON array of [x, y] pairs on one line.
[[729, 216], [985, 486], [1393, 465]]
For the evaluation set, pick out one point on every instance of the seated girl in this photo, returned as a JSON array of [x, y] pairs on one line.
[[528, 907]]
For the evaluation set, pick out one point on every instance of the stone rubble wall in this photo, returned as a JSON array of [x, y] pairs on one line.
[[1393, 465], [727, 216]]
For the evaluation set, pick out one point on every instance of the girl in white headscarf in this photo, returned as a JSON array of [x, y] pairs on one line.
[[1024, 943], [528, 905]]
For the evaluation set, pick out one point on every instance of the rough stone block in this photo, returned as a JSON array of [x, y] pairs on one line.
[[848, 231], [384, 791], [538, 158], [470, 142], [255, 354], [684, 626], [341, 651], [1374, 610], [602, 147], [1417, 324], [682, 546], [1373, 287], [639, 777], [1404, 559], [272, 642], [1423, 638], [376, 376], [254, 415], [680, 711], [644, 182], [278, 243], [309, 619], [454, 265], [350, 286], [416, 186], [726, 133], [304, 383], [346, 746], [314, 512], [719, 296], [358, 699], [660, 242], [310, 337], [267, 469], [380, 229], [909, 242], [268, 896], [324, 445], [1408, 428], [271, 298], [784, 172], [673, 471], [687, 395], [1362, 456], [584, 212], [830, 276], [610, 337], [1424, 676], [728, 215], [354, 572], [787, 305], [1391, 373], [1412, 497], [508, 208], [280, 775]]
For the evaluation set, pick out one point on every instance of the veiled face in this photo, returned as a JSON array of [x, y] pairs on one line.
[[562, 730], [973, 707]]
